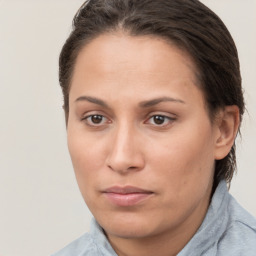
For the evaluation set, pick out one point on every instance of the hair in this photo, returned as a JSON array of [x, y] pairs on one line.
[[189, 25]]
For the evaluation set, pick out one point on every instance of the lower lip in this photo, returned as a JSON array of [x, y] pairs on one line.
[[127, 199]]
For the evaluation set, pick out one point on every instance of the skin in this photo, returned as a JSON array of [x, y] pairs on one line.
[[116, 77]]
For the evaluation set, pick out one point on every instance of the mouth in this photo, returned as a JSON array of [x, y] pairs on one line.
[[126, 196]]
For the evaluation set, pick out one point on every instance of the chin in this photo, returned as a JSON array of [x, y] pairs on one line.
[[130, 232], [128, 226]]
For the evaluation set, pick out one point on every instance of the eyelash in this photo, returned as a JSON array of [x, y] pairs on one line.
[[167, 120], [88, 120]]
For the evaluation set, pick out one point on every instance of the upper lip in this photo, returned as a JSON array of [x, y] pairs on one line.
[[126, 190]]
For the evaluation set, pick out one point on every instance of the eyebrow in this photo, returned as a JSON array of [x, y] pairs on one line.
[[153, 102], [143, 104], [92, 100]]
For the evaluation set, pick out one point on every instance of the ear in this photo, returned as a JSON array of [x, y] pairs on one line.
[[227, 124]]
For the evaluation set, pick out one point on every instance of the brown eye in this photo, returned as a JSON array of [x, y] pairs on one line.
[[159, 119], [96, 119]]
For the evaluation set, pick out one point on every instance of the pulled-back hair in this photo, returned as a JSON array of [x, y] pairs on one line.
[[189, 25]]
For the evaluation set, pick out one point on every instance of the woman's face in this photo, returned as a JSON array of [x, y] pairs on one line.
[[139, 136]]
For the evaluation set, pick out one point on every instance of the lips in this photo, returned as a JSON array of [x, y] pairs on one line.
[[126, 196]]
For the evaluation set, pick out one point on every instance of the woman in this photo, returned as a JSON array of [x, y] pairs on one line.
[[153, 104]]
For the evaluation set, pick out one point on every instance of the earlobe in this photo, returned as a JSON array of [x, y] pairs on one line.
[[228, 125]]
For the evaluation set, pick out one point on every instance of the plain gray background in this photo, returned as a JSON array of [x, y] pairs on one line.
[[41, 209]]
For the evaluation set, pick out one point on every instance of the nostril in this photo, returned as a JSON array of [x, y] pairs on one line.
[[110, 167], [122, 170]]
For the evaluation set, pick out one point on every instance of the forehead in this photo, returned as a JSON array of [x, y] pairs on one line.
[[144, 52], [118, 62]]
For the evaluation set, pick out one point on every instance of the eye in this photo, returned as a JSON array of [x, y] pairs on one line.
[[160, 120], [95, 120]]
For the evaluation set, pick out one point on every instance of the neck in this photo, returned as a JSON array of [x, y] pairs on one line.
[[163, 245], [168, 243]]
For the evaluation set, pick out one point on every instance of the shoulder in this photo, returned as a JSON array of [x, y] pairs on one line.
[[239, 237], [227, 230], [94, 243], [84, 245]]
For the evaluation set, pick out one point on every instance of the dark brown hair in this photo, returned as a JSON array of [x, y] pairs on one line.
[[188, 24]]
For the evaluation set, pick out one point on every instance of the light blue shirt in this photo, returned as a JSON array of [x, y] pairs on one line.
[[227, 230]]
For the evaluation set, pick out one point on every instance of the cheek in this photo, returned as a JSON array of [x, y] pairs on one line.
[[184, 167], [86, 160], [84, 148], [86, 156], [185, 156]]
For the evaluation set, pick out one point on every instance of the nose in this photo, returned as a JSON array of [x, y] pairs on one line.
[[125, 152]]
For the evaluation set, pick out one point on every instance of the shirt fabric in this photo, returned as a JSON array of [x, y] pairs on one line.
[[227, 230]]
